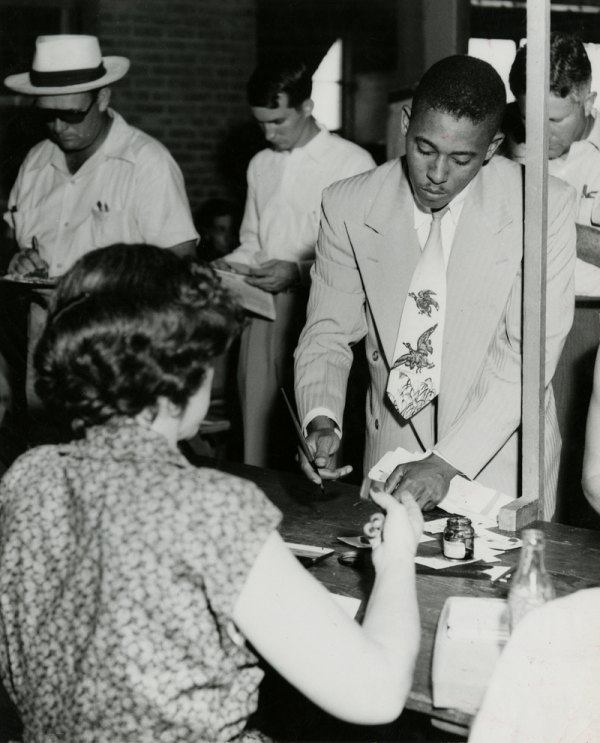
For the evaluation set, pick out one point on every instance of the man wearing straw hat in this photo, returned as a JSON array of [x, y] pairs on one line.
[[96, 180]]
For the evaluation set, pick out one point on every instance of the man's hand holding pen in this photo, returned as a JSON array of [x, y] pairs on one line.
[[323, 442], [28, 260]]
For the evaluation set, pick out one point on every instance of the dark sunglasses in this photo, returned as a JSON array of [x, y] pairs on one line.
[[69, 116]]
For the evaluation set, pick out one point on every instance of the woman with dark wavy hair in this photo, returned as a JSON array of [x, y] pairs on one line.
[[129, 579]]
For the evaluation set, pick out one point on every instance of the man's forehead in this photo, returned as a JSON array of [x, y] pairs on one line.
[[264, 114], [65, 102], [557, 103], [442, 125]]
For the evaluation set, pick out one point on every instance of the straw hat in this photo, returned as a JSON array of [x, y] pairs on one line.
[[67, 64]]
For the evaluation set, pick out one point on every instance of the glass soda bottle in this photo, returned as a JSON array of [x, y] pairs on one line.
[[532, 586]]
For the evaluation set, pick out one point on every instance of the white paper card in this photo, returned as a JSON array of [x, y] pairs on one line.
[[496, 571], [251, 298], [436, 526]]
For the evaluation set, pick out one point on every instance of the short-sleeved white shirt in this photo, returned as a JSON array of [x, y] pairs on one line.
[[580, 167], [131, 191], [283, 207]]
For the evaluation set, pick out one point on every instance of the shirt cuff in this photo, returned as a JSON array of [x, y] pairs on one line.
[[315, 413], [304, 271], [441, 456]]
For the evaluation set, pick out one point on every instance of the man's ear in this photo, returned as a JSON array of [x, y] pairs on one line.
[[405, 120], [493, 146], [103, 98], [307, 107], [588, 103]]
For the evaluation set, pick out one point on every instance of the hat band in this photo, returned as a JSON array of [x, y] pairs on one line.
[[63, 78]]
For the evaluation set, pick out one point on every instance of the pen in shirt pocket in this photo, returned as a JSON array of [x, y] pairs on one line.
[[102, 207]]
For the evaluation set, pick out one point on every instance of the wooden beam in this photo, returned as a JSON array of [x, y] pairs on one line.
[[530, 505]]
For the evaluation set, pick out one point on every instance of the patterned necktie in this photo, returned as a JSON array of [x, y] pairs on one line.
[[416, 372]]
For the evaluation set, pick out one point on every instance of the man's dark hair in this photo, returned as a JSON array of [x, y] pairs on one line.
[[570, 68], [291, 76], [130, 324], [464, 87]]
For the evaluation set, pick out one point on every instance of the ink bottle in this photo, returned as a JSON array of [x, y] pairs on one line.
[[458, 539]]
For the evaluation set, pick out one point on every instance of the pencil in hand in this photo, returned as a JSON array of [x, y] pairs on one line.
[[302, 441]]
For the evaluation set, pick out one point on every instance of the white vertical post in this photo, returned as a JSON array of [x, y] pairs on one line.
[[536, 218], [530, 505]]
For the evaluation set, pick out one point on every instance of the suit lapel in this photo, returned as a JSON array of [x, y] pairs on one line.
[[387, 252], [485, 259]]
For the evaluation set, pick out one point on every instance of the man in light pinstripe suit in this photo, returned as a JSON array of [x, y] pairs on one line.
[[373, 228]]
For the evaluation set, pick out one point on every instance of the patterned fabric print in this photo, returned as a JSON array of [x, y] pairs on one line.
[[120, 566]]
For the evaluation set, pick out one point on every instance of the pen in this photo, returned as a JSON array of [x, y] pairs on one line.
[[13, 211], [301, 439]]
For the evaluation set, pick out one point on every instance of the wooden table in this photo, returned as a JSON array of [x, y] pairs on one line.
[[572, 555]]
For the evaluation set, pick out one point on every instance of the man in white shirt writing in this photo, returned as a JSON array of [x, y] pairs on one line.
[[278, 236]]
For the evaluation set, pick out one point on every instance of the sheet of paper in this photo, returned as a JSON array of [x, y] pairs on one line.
[[251, 298], [465, 497], [484, 552], [469, 498], [349, 605], [498, 541], [496, 571], [242, 268], [439, 563], [308, 550], [483, 620], [436, 526]]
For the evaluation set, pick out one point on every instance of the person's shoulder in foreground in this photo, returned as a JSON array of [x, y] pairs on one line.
[[546, 685]]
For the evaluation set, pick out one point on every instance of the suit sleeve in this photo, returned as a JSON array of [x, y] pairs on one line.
[[357, 162], [335, 316], [492, 411]]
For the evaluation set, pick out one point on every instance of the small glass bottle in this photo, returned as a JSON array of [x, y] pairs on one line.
[[531, 586], [458, 539]]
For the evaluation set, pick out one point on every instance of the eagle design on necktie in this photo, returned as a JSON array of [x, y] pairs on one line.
[[424, 301], [416, 358]]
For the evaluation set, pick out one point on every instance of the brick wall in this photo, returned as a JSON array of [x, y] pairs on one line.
[[190, 60]]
